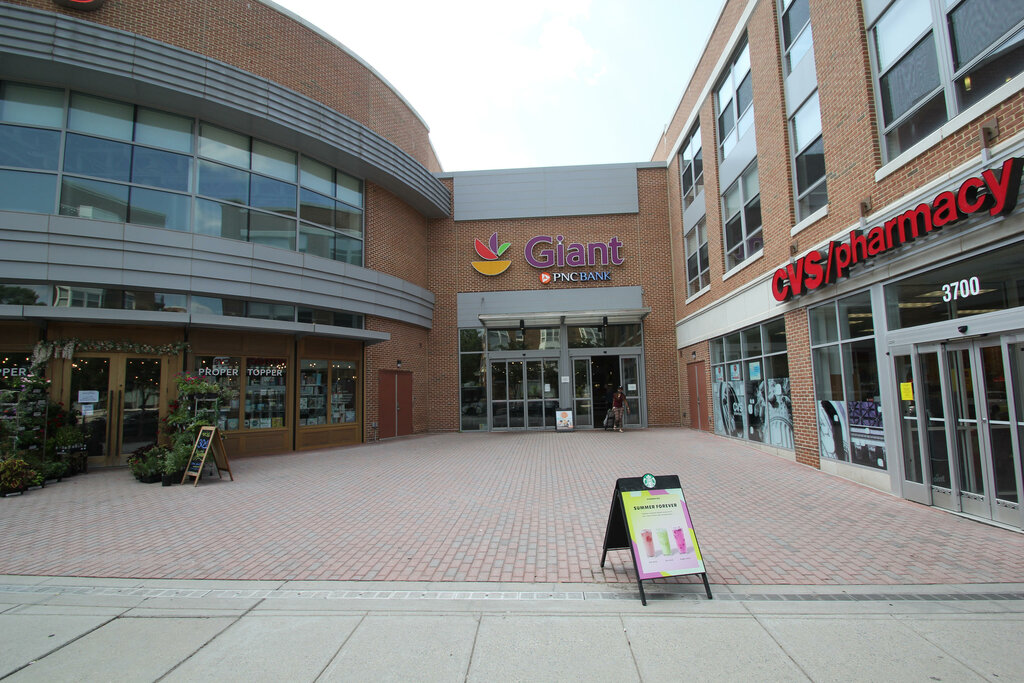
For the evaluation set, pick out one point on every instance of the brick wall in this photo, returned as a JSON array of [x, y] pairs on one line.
[[409, 344], [259, 39], [648, 264], [852, 156]]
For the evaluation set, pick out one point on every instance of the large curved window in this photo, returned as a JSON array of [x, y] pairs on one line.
[[80, 155]]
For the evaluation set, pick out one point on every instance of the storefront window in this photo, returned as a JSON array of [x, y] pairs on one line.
[[15, 365], [265, 392], [606, 336], [225, 371], [312, 392], [472, 380], [343, 392], [846, 385], [530, 339], [750, 385], [985, 283]]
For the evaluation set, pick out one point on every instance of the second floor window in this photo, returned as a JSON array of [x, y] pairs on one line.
[[741, 212], [796, 31], [735, 99], [809, 158], [698, 274], [691, 165], [935, 58]]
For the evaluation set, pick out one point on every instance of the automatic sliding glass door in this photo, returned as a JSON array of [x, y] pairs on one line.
[[962, 434], [524, 394]]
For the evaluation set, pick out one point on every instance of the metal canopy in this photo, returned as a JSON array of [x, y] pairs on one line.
[[551, 318]]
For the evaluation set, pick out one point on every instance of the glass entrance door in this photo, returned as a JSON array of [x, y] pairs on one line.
[[524, 393], [118, 398], [965, 441], [595, 379]]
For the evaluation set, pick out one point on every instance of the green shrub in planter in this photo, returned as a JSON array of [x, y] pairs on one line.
[[176, 458], [15, 475], [146, 463]]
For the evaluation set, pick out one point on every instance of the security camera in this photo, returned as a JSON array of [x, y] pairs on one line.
[[962, 329]]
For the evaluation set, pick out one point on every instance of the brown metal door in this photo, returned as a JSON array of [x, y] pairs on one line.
[[695, 384], [386, 386], [403, 402]]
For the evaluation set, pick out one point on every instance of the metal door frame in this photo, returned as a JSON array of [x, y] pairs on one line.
[[988, 505]]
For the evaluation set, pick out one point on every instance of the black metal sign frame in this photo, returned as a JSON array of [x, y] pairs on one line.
[[617, 535]]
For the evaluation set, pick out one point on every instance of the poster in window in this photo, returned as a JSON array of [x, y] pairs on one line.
[[779, 413], [728, 408], [867, 436], [832, 441]]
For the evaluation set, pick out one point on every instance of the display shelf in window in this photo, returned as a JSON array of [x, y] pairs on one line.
[[265, 394], [313, 393]]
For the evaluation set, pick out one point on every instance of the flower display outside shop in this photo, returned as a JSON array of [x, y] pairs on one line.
[[197, 405]]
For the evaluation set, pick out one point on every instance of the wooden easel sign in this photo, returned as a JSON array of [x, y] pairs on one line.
[[648, 517], [207, 441]]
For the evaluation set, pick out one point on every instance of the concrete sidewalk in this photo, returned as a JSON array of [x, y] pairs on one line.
[[68, 629]]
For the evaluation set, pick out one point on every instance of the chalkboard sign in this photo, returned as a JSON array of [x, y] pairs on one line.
[[649, 517], [208, 441]]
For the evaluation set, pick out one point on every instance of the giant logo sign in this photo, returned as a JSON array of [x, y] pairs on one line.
[[987, 192]]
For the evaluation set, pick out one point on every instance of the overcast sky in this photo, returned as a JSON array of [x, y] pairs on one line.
[[533, 82]]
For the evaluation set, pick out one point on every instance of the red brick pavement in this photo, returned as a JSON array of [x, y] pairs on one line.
[[494, 507]]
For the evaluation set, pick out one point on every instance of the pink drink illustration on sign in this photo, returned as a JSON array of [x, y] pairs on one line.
[[648, 541], [663, 544], [680, 535]]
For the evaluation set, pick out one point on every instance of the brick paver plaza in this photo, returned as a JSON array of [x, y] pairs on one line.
[[526, 507]]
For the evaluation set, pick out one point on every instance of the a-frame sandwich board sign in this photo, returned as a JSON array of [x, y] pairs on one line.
[[649, 517]]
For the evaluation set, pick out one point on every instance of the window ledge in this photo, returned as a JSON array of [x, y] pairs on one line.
[[698, 295], [744, 264], [954, 125], [809, 221]]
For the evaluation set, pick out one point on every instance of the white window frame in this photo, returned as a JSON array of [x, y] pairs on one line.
[[948, 74]]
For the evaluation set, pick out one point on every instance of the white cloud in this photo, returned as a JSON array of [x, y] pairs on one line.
[[537, 82]]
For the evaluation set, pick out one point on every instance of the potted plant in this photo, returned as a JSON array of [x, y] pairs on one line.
[[15, 475], [69, 449], [146, 463], [176, 460]]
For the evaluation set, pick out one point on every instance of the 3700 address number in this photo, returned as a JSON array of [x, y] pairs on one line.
[[961, 290]]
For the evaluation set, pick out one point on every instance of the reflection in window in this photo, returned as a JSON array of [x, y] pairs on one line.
[[513, 339], [159, 209], [225, 371], [265, 393], [154, 150], [742, 212], [25, 295], [221, 220], [750, 385], [31, 104], [28, 192], [334, 318], [93, 199], [23, 147], [982, 284], [920, 68], [846, 385], [735, 101]]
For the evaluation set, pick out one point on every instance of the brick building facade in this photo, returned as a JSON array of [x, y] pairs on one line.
[[391, 297]]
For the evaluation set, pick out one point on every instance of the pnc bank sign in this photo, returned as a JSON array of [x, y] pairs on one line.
[[546, 252], [996, 194]]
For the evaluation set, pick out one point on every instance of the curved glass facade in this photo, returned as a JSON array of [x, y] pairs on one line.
[[75, 154]]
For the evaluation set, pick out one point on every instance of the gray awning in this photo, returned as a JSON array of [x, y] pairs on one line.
[[551, 318]]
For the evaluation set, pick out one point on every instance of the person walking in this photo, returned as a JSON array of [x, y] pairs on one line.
[[619, 403]]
